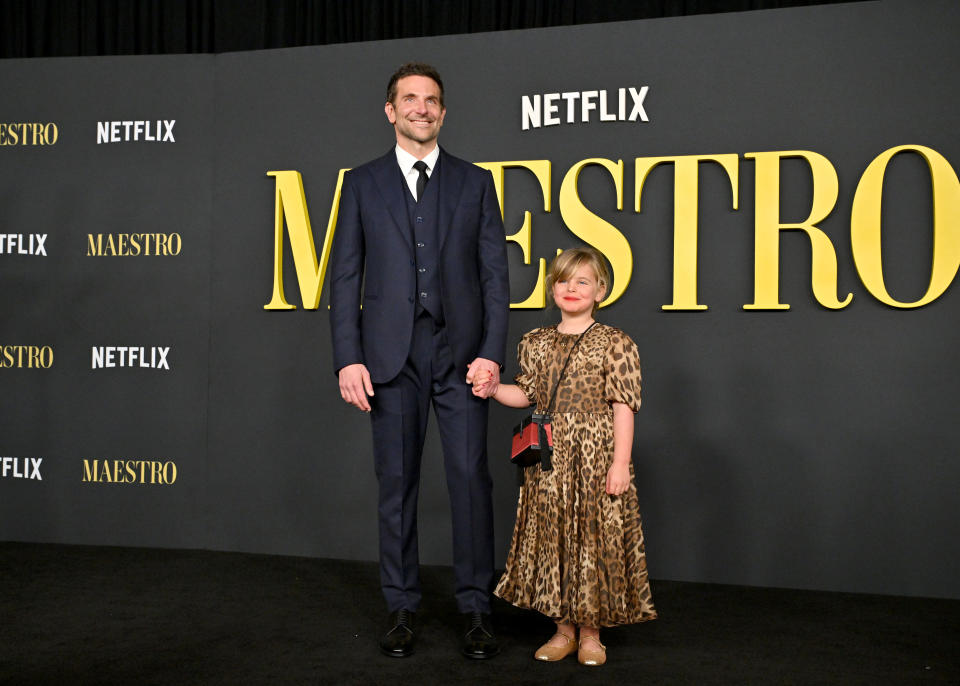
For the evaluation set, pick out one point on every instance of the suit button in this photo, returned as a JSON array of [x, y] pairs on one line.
[[410, 299], [422, 270], [423, 294], [420, 245], [419, 220]]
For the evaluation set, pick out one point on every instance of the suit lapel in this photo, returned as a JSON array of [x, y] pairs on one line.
[[386, 175], [451, 185]]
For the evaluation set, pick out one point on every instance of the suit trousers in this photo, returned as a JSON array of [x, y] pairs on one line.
[[399, 412]]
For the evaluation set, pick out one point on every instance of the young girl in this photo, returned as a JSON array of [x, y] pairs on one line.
[[577, 554]]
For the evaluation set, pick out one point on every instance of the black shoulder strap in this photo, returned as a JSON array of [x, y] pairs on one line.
[[553, 396]]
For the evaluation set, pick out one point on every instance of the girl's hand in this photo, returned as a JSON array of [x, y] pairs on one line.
[[618, 478]]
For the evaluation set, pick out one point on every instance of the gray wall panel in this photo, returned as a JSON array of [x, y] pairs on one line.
[[805, 448]]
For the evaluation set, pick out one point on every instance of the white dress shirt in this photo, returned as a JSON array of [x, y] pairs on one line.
[[406, 162]]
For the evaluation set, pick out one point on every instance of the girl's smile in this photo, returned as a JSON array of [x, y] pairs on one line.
[[576, 295]]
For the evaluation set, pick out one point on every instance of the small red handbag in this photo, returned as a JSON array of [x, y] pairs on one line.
[[531, 437]]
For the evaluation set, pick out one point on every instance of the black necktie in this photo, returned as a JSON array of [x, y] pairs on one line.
[[421, 167]]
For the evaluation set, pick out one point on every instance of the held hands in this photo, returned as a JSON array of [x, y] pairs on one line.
[[480, 382], [618, 478], [484, 374], [355, 386]]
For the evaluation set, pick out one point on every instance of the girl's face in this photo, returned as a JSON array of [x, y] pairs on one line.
[[577, 294]]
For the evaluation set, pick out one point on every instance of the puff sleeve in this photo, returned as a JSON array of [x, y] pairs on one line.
[[526, 379], [622, 382]]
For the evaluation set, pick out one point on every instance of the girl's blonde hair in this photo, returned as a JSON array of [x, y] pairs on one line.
[[569, 261]]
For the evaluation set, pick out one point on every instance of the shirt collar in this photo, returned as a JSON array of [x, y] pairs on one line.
[[406, 160]]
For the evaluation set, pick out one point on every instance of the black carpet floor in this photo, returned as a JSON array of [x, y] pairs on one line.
[[93, 615]]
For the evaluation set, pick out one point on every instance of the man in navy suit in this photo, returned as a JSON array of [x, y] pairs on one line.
[[420, 244]]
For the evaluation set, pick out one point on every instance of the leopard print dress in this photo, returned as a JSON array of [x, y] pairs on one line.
[[577, 554]]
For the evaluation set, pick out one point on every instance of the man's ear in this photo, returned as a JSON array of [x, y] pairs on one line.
[[390, 112]]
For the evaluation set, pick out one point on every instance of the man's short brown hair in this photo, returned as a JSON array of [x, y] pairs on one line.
[[413, 69]]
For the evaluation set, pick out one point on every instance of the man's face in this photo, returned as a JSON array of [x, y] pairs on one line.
[[416, 113]]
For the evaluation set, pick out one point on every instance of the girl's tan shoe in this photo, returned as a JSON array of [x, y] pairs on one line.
[[592, 652], [552, 653]]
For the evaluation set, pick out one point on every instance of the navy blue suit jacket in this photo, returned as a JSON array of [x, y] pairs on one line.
[[373, 264]]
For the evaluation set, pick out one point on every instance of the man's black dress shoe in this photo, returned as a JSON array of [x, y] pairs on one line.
[[398, 641], [479, 642]]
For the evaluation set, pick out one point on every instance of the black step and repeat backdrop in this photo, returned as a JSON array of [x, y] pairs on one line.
[[774, 192]]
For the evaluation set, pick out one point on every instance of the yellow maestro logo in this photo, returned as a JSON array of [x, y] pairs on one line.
[[141, 472], [865, 226], [28, 133], [26, 357], [133, 244]]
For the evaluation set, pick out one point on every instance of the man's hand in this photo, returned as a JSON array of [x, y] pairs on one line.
[[355, 386], [483, 364]]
